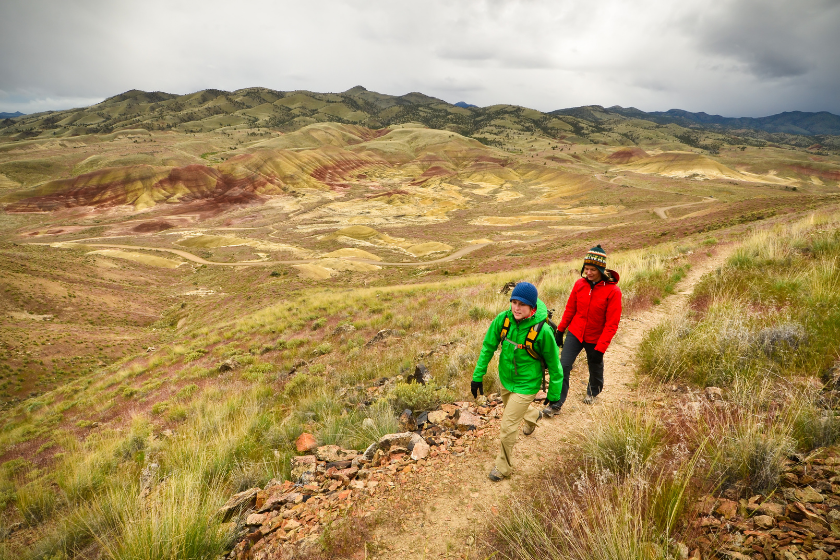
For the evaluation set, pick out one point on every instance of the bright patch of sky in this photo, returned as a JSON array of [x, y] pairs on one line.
[[729, 57]]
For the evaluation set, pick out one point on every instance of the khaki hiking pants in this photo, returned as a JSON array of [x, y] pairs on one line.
[[517, 408]]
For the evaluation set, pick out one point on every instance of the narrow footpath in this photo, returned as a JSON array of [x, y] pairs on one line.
[[451, 506]]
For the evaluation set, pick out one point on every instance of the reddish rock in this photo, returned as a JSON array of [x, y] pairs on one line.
[[468, 421], [771, 509], [763, 521], [437, 416], [305, 443], [808, 495], [449, 409], [727, 508], [420, 450]]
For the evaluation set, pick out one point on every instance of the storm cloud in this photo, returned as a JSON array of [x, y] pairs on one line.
[[731, 57]]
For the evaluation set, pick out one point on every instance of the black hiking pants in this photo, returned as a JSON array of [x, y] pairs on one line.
[[571, 348]]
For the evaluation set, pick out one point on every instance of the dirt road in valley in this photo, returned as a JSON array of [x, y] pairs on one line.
[[662, 211], [456, 501]]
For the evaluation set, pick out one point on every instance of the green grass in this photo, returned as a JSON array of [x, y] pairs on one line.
[[585, 514], [227, 427], [752, 454], [624, 441], [774, 309], [36, 502], [415, 396]]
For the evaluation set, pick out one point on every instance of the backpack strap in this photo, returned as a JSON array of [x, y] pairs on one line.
[[505, 328], [530, 338], [529, 342]]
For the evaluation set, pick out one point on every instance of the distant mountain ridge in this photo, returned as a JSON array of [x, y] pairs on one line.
[[259, 108], [790, 122], [12, 115]]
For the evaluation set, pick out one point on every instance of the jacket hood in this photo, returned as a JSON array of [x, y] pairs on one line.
[[611, 277]]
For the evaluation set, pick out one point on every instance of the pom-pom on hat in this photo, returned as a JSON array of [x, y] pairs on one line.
[[526, 293], [596, 257]]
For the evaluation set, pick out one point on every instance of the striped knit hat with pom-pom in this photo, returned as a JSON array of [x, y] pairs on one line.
[[596, 257]]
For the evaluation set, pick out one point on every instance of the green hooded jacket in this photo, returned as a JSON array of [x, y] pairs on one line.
[[518, 371]]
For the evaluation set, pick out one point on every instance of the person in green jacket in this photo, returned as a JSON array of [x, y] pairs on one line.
[[520, 373]]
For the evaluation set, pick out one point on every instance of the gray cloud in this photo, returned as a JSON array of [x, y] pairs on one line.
[[733, 57]]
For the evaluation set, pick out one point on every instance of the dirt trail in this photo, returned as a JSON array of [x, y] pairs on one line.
[[662, 211], [456, 501]]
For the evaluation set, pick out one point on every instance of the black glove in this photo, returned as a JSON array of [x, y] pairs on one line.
[[477, 387], [558, 337]]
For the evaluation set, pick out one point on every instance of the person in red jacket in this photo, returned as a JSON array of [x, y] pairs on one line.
[[591, 318]]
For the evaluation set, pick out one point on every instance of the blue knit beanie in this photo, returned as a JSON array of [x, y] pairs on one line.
[[526, 293]]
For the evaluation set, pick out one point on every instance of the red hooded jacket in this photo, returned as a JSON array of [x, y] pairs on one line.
[[592, 313]]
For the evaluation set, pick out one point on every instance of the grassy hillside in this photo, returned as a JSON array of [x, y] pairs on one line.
[[651, 481], [304, 363]]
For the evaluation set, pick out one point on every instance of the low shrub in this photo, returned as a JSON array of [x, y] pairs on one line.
[[813, 427], [177, 523], [378, 420], [302, 384], [322, 349], [36, 502], [751, 455], [194, 355], [187, 391], [623, 441], [416, 396], [478, 313], [177, 413]]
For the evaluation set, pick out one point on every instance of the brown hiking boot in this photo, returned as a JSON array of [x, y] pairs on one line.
[[495, 475]]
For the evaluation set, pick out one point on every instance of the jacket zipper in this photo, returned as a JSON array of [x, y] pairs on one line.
[[588, 305]]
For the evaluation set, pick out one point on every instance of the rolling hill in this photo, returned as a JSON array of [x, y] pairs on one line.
[[262, 108]]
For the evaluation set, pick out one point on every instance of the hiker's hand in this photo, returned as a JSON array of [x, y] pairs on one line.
[[477, 387], [558, 337]]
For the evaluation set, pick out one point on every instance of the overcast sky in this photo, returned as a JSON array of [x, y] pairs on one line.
[[728, 57]]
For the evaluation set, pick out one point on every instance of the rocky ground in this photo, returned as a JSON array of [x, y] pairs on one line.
[[799, 521], [331, 482]]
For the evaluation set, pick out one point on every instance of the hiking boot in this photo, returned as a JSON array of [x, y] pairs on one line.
[[550, 411], [495, 475], [589, 399], [528, 429]]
